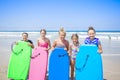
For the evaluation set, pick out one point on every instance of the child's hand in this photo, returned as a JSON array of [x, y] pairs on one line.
[[100, 51], [46, 49], [52, 48], [16, 43], [65, 49], [69, 54], [29, 44]]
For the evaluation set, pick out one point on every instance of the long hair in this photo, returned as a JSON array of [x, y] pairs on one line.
[[76, 35]]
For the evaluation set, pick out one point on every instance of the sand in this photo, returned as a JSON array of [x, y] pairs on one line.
[[111, 67]]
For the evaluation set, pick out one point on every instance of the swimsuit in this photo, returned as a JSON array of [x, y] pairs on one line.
[[75, 50], [60, 46], [95, 41], [43, 44]]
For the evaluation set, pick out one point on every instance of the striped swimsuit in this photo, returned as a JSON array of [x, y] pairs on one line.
[[95, 41], [75, 50]]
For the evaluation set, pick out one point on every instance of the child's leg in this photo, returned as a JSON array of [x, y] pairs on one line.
[[72, 69]]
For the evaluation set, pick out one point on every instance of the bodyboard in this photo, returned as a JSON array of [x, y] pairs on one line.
[[38, 64], [19, 61], [59, 65], [88, 63]]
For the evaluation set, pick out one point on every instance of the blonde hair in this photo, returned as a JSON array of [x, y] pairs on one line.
[[62, 30]]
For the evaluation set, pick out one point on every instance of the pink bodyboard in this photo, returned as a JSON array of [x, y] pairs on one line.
[[38, 64]]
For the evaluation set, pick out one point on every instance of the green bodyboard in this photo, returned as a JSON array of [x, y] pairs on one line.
[[19, 61]]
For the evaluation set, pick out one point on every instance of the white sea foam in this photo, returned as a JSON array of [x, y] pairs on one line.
[[101, 35], [109, 46]]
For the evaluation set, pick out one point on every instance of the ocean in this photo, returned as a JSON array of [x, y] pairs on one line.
[[110, 40]]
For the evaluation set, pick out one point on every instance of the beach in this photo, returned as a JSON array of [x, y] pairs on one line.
[[111, 67], [110, 56]]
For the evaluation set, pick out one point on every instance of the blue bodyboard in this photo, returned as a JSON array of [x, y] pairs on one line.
[[59, 65], [88, 63]]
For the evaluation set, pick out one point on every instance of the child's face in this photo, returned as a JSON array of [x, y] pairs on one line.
[[74, 39], [42, 33], [91, 34], [62, 35], [24, 36]]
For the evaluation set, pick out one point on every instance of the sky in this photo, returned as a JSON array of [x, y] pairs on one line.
[[53, 14]]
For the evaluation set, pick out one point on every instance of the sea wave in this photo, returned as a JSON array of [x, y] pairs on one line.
[[101, 35]]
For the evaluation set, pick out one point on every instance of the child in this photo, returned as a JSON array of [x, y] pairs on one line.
[[59, 59], [61, 42], [25, 38], [73, 50], [38, 65], [89, 64], [19, 61], [92, 39]]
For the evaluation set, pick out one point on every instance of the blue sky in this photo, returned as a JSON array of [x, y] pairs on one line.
[[52, 14]]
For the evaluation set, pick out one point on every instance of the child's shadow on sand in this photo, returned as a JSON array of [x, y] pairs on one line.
[[104, 79]]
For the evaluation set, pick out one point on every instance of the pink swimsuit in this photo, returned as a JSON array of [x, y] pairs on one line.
[[43, 44]]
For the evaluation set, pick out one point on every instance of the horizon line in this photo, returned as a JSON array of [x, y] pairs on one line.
[[58, 30]]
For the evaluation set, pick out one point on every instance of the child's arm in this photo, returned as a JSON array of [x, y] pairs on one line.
[[38, 42], [54, 45], [31, 45], [49, 45], [70, 50], [67, 45], [100, 48]]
